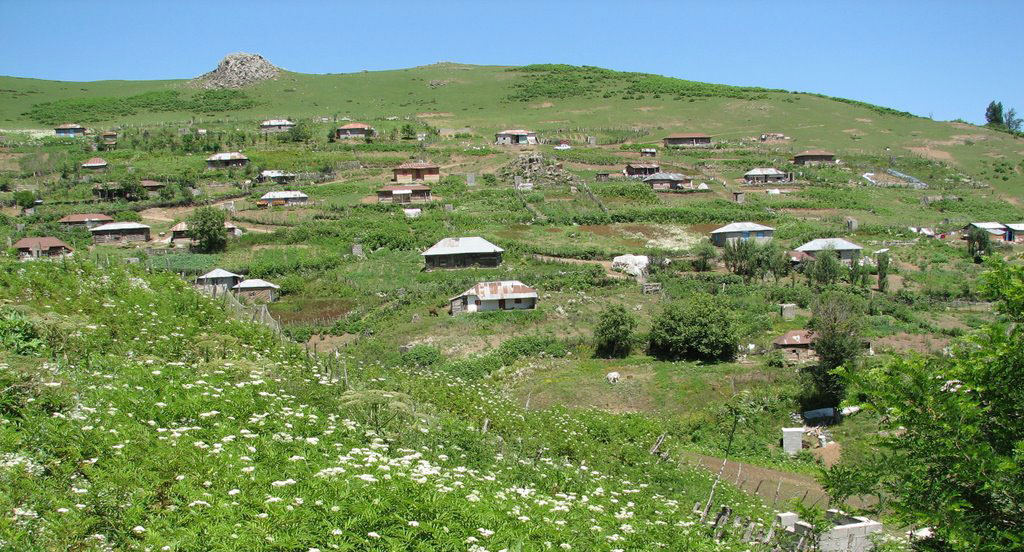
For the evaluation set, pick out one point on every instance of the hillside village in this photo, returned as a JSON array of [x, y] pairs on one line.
[[646, 276]]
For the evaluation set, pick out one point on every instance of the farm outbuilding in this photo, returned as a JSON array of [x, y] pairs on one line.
[[282, 198], [276, 125], [219, 277], [353, 130], [180, 231], [108, 190], [847, 251], [641, 169], [256, 289], [43, 247], [814, 157], [687, 139], [277, 177], [996, 229], [85, 220], [69, 130], [414, 193], [108, 139], [492, 296], [153, 187], [741, 231], [462, 252], [665, 181], [648, 152], [515, 137], [417, 171], [95, 164], [795, 341], [120, 231], [764, 175], [225, 160]]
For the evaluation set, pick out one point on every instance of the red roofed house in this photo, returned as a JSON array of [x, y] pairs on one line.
[[491, 296], [353, 130], [517, 137], [69, 130], [795, 341], [410, 193], [85, 220], [34, 248], [814, 157], [95, 164], [642, 169], [418, 171], [687, 139]]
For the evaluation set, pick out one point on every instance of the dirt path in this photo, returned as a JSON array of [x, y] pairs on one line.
[[775, 487], [607, 265]]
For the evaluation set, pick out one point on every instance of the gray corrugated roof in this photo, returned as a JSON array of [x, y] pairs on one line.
[[453, 246], [742, 227], [820, 244]]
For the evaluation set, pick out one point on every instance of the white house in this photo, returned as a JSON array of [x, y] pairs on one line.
[[741, 231], [219, 277], [288, 197], [257, 289], [847, 251], [492, 296]]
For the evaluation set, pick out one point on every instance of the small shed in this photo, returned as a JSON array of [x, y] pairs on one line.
[[153, 187], [95, 164], [413, 193], [219, 277], [996, 229], [641, 169], [120, 231], [741, 231], [846, 250], [85, 220], [108, 139], [492, 296], [257, 289], [687, 139], [515, 137], [648, 152], [666, 181], [42, 247], [462, 252], [764, 175], [108, 190], [353, 130], [225, 160], [795, 341], [69, 130], [417, 171], [814, 157], [282, 198], [180, 231], [276, 125], [1014, 232]]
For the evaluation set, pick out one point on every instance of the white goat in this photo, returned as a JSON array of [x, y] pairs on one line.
[[612, 377]]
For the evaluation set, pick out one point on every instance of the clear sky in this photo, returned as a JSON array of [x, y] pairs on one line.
[[945, 58]]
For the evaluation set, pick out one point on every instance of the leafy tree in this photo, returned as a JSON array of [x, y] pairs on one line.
[[300, 132], [132, 187], [1012, 121], [741, 258], [25, 199], [127, 216], [826, 268], [951, 456], [702, 328], [704, 256], [206, 227], [775, 261], [408, 132], [994, 113], [883, 272], [836, 323], [978, 243], [167, 193], [613, 337]]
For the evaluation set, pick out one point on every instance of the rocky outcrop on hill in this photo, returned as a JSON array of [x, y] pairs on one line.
[[238, 70], [535, 168]]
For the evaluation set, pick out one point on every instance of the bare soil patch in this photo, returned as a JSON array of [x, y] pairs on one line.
[[429, 114], [10, 161], [324, 343], [904, 342], [930, 153]]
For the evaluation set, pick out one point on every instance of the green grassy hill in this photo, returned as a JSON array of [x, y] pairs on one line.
[[547, 98]]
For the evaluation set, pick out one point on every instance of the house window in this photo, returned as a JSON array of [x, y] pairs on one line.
[[478, 302], [518, 301]]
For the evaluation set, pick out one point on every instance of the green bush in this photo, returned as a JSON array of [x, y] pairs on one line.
[[700, 328], [613, 336]]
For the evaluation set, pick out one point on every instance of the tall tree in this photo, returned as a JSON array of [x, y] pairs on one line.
[[1012, 121], [704, 256], [994, 113], [978, 243], [950, 453], [883, 272], [613, 337], [837, 320], [206, 227]]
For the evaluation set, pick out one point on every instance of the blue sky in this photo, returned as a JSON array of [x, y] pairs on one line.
[[942, 58]]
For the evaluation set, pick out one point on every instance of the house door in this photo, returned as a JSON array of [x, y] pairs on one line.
[[501, 304]]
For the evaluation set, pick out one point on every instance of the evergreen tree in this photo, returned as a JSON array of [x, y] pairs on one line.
[[994, 113]]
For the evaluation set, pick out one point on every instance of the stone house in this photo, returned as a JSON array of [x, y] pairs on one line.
[[120, 231], [256, 289], [85, 220], [814, 157], [641, 169], [515, 137], [741, 231], [665, 182], [226, 160], [44, 247], [687, 139], [492, 296], [462, 252], [413, 193], [353, 130], [418, 171]]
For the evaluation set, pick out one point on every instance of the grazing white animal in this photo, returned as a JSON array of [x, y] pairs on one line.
[[612, 377]]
